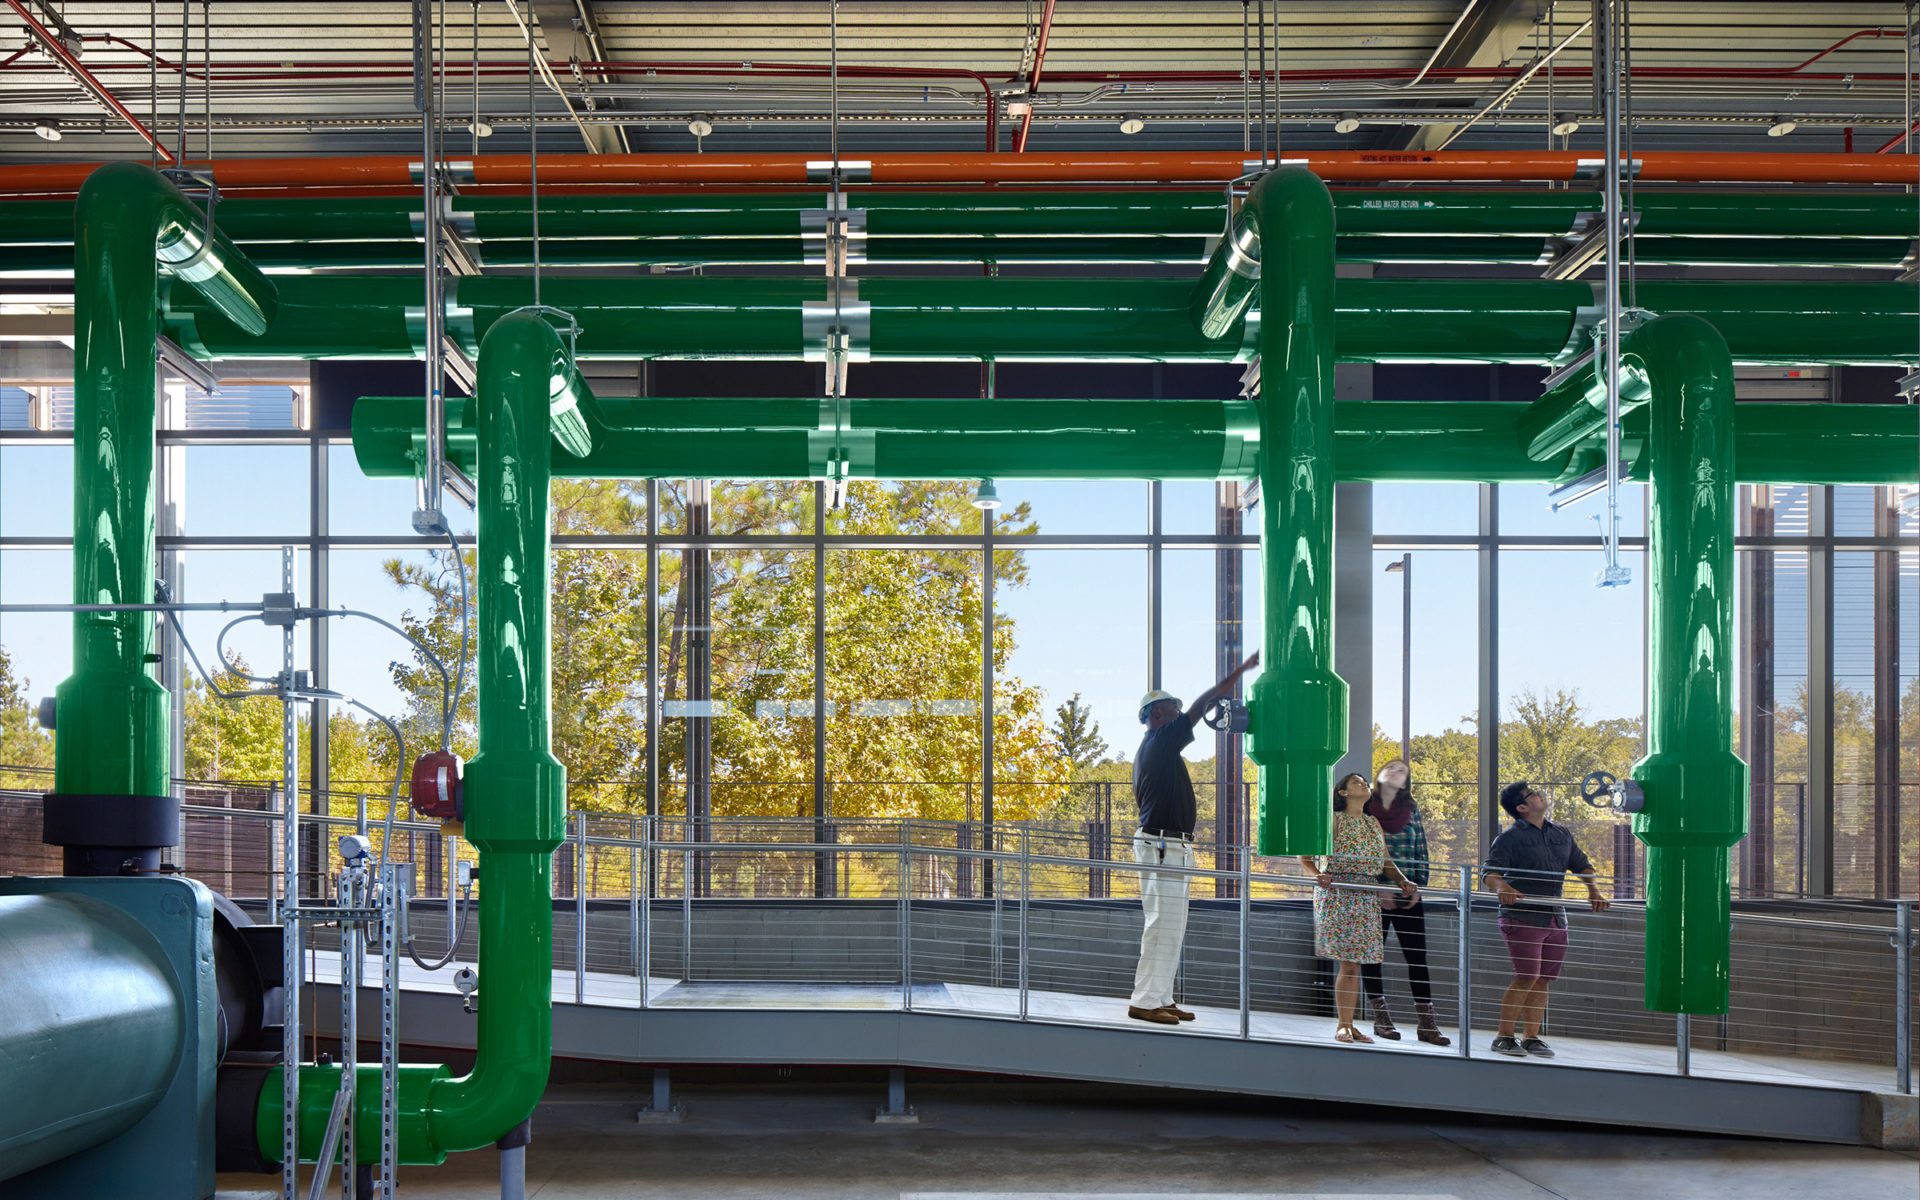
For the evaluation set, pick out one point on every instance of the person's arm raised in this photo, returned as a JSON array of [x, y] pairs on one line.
[[1225, 687]]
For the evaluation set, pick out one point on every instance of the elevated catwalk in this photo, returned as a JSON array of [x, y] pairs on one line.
[[972, 1028]]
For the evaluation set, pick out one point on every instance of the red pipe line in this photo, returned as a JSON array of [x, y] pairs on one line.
[[992, 170], [1897, 138], [88, 82], [1033, 84]]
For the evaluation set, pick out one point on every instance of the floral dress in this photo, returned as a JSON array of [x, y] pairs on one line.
[[1346, 922]]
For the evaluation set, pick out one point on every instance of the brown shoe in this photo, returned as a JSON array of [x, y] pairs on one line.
[[1178, 1012], [1159, 1016]]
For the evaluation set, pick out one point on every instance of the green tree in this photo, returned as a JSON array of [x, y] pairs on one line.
[[22, 742], [1078, 734], [903, 654]]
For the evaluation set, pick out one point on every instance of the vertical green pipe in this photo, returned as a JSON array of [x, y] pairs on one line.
[[515, 789], [1696, 786], [1297, 714], [127, 221]]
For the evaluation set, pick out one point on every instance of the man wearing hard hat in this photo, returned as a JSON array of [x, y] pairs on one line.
[[1163, 792]]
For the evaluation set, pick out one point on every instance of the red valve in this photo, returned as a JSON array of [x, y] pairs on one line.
[[436, 785]]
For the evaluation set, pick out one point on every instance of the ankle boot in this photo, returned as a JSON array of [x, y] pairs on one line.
[[1382, 1019], [1429, 1028]]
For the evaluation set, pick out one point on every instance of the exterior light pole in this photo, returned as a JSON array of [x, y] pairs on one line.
[[1404, 569]]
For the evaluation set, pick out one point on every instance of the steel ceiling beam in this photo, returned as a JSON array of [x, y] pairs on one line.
[[569, 32], [1488, 37]]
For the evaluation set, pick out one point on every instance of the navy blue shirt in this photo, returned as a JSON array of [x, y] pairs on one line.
[[1536, 862], [1161, 787]]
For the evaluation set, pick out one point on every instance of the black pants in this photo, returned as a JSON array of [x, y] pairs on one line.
[[1411, 926]]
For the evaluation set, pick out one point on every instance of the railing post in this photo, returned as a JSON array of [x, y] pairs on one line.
[[1026, 886], [1683, 1043], [644, 889], [580, 908], [633, 891], [1465, 968], [906, 915], [1903, 995], [686, 913], [1246, 942]]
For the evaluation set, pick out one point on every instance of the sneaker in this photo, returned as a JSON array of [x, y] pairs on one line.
[[1537, 1048], [1158, 1016], [1508, 1046]]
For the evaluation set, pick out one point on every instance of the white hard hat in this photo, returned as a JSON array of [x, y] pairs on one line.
[[1152, 698]]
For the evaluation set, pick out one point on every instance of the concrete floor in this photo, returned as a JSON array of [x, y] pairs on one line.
[[984, 1141]]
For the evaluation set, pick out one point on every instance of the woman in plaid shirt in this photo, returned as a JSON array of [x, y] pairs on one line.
[[1392, 805]]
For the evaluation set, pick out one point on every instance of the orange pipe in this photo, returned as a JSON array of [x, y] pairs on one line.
[[791, 170]]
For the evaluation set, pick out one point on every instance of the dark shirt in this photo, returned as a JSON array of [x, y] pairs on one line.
[[1536, 862], [1161, 787]]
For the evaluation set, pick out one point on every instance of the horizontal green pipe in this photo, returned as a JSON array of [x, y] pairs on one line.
[[795, 438], [1377, 320], [1381, 440], [1835, 253], [911, 214]]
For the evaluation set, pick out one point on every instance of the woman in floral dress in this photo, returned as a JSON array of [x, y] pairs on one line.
[[1346, 920]]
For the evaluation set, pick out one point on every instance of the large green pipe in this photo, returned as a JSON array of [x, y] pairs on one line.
[[798, 438], [1297, 711], [1377, 440], [531, 400], [1696, 787], [1378, 320], [130, 223], [1362, 212], [53, 260]]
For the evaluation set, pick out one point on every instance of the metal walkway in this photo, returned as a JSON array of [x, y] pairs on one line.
[[970, 1028]]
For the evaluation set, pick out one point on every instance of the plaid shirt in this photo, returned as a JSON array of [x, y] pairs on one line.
[[1408, 850]]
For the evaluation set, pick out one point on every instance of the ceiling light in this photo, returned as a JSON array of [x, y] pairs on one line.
[[985, 498], [1782, 126], [1348, 122], [700, 125], [480, 129], [1132, 123], [50, 130], [1566, 125]]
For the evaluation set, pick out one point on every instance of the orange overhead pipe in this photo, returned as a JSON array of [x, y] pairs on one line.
[[398, 172]]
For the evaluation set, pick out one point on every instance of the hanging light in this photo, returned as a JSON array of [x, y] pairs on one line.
[[480, 129], [49, 129], [1566, 125], [985, 498], [1782, 126], [700, 125], [1348, 122], [1132, 123]]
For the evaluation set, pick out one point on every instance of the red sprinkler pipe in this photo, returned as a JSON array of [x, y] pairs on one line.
[[676, 171], [1033, 84], [86, 78]]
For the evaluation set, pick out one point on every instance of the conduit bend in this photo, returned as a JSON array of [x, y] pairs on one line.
[[130, 226], [530, 399]]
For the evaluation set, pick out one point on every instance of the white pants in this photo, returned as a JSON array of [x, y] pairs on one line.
[[1164, 897]]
